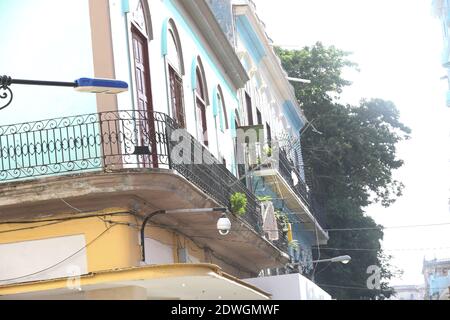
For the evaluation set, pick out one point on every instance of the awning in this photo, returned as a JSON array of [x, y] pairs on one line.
[[159, 282]]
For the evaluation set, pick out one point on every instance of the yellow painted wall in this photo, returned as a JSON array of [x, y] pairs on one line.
[[116, 248], [113, 240]]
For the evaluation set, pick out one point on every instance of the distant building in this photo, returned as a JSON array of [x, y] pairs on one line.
[[437, 279], [409, 292], [441, 10]]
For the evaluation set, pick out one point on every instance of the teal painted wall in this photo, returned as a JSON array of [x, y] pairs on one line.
[[203, 52], [250, 39]]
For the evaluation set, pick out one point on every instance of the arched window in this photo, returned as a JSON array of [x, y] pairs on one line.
[[141, 34], [140, 16], [140, 37], [237, 120], [223, 115], [175, 68], [174, 49], [201, 102]]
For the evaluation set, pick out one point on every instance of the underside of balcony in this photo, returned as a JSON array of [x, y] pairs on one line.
[[142, 191], [298, 205]]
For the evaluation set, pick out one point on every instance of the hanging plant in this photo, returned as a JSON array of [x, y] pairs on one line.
[[265, 198], [238, 204], [294, 245], [283, 219], [268, 151]]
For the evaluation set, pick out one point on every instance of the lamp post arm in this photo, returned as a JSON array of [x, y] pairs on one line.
[[92, 85], [6, 81], [198, 210], [149, 216], [144, 224], [44, 83], [324, 260]]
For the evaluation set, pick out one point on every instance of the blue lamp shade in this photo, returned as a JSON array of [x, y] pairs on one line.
[[106, 86]]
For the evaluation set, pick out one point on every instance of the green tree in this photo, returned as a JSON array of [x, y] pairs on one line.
[[349, 156]]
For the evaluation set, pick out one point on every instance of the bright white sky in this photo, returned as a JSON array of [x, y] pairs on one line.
[[398, 46]]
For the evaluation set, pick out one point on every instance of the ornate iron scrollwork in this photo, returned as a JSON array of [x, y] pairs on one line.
[[6, 95]]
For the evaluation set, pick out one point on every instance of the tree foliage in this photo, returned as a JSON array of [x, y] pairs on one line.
[[350, 155]]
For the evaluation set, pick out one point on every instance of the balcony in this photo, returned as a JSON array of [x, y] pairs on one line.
[[281, 175], [135, 152]]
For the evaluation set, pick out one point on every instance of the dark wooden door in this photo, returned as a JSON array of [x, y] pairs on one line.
[[248, 101], [202, 125], [176, 95], [144, 98]]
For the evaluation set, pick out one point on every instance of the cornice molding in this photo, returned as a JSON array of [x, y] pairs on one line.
[[207, 24]]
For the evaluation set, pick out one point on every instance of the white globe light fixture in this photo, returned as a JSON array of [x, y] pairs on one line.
[[224, 225]]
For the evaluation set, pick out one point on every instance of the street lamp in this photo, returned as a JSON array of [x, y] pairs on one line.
[[343, 259], [299, 80], [223, 224], [92, 85]]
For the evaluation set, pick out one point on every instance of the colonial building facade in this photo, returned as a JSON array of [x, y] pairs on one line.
[[441, 10], [209, 123], [437, 279]]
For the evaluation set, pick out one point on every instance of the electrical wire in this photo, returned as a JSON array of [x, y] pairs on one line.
[[87, 216], [76, 209], [131, 213], [62, 261], [374, 249], [322, 248], [192, 239], [235, 230], [361, 288], [393, 227], [62, 220], [31, 228], [70, 206], [317, 248], [350, 287], [320, 271]]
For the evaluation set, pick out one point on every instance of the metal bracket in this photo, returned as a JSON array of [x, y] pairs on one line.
[[6, 95]]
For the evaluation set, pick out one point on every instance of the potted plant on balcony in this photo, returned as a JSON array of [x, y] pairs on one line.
[[294, 245], [267, 157], [238, 204], [265, 199], [283, 219]]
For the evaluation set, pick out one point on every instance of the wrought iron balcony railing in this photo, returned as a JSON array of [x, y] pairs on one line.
[[287, 169], [118, 140], [282, 241]]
